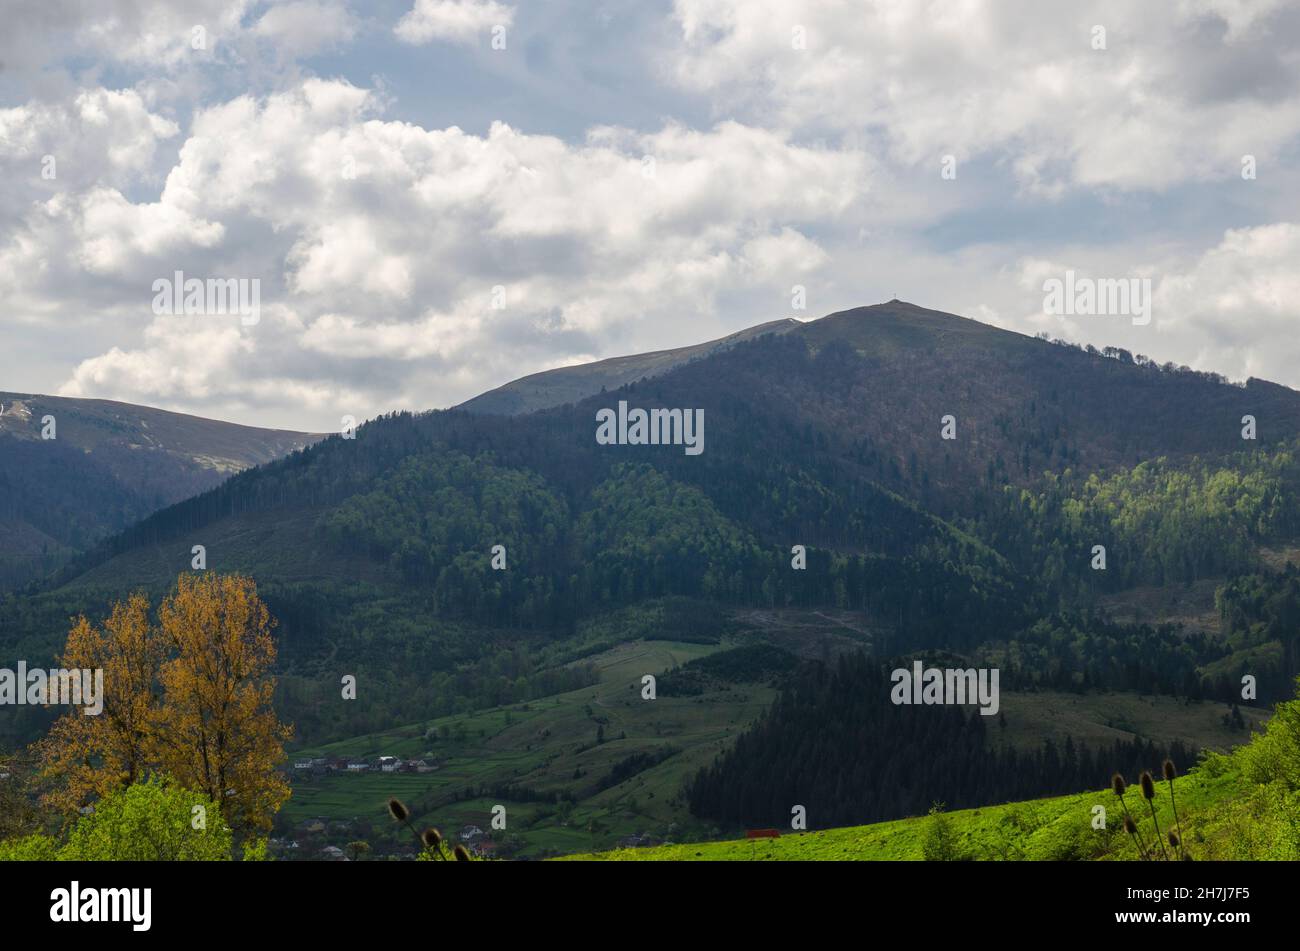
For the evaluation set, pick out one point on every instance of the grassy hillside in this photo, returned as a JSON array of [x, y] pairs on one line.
[[1223, 814], [548, 747], [1053, 829], [564, 746], [1241, 805]]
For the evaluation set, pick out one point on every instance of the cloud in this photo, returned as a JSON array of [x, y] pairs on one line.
[[113, 234], [1231, 308], [1236, 308], [1179, 93], [414, 248], [455, 21], [303, 27], [418, 266], [177, 51], [152, 34], [100, 135]]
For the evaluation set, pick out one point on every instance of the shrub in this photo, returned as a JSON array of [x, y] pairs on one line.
[[153, 821]]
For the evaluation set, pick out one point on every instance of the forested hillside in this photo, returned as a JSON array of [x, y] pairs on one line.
[[834, 744], [461, 561], [74, 471]]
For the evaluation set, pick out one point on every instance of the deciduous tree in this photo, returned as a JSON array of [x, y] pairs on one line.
[[215, 730], [88, 757]]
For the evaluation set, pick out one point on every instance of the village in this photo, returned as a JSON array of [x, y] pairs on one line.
[[324, 765], [322, 838], [343, 840], [317, 839]]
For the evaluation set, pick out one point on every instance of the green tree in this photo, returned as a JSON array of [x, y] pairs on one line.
[[151, 821], [940, 843], [30, 848]]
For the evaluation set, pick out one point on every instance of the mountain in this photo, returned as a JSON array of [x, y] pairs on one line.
[[455, 561], [829, 434], [107, 465], [1021, 404], [570, 384]]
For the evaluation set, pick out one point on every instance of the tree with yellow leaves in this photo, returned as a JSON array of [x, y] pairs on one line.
[[92, 756], [188, 697], [215, 730]]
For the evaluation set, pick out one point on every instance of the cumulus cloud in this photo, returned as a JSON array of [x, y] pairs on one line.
[[437, 249], [455, 21], [113, 233], [1232, 308], [1178, 93], [1236, 308], [411, 251], [99, 135]]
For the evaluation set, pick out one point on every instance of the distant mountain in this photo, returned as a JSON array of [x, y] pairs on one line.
[[570, 384], [828, 433], [890, 479], [108, 465], [376, 551], [1021, 405]]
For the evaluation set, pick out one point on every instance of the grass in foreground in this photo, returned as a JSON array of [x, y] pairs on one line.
[[1244, 805]]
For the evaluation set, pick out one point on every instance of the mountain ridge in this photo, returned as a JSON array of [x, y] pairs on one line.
[[101, 465], [827, 513], [870, 386], [569, 384]]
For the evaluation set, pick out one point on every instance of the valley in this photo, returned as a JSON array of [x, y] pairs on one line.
[[499, 584]]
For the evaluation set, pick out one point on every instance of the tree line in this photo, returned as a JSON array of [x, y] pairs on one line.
[[835, 744]]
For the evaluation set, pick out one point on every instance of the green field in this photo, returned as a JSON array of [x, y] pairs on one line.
[[1102, 717], [1240, 805], [549, 746], [1061, 828]]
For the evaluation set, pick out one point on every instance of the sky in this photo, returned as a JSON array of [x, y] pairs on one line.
[[433, 197]]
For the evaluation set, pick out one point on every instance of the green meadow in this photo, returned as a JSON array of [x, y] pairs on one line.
[[563, 746], [1220, 814], [527, 756]]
